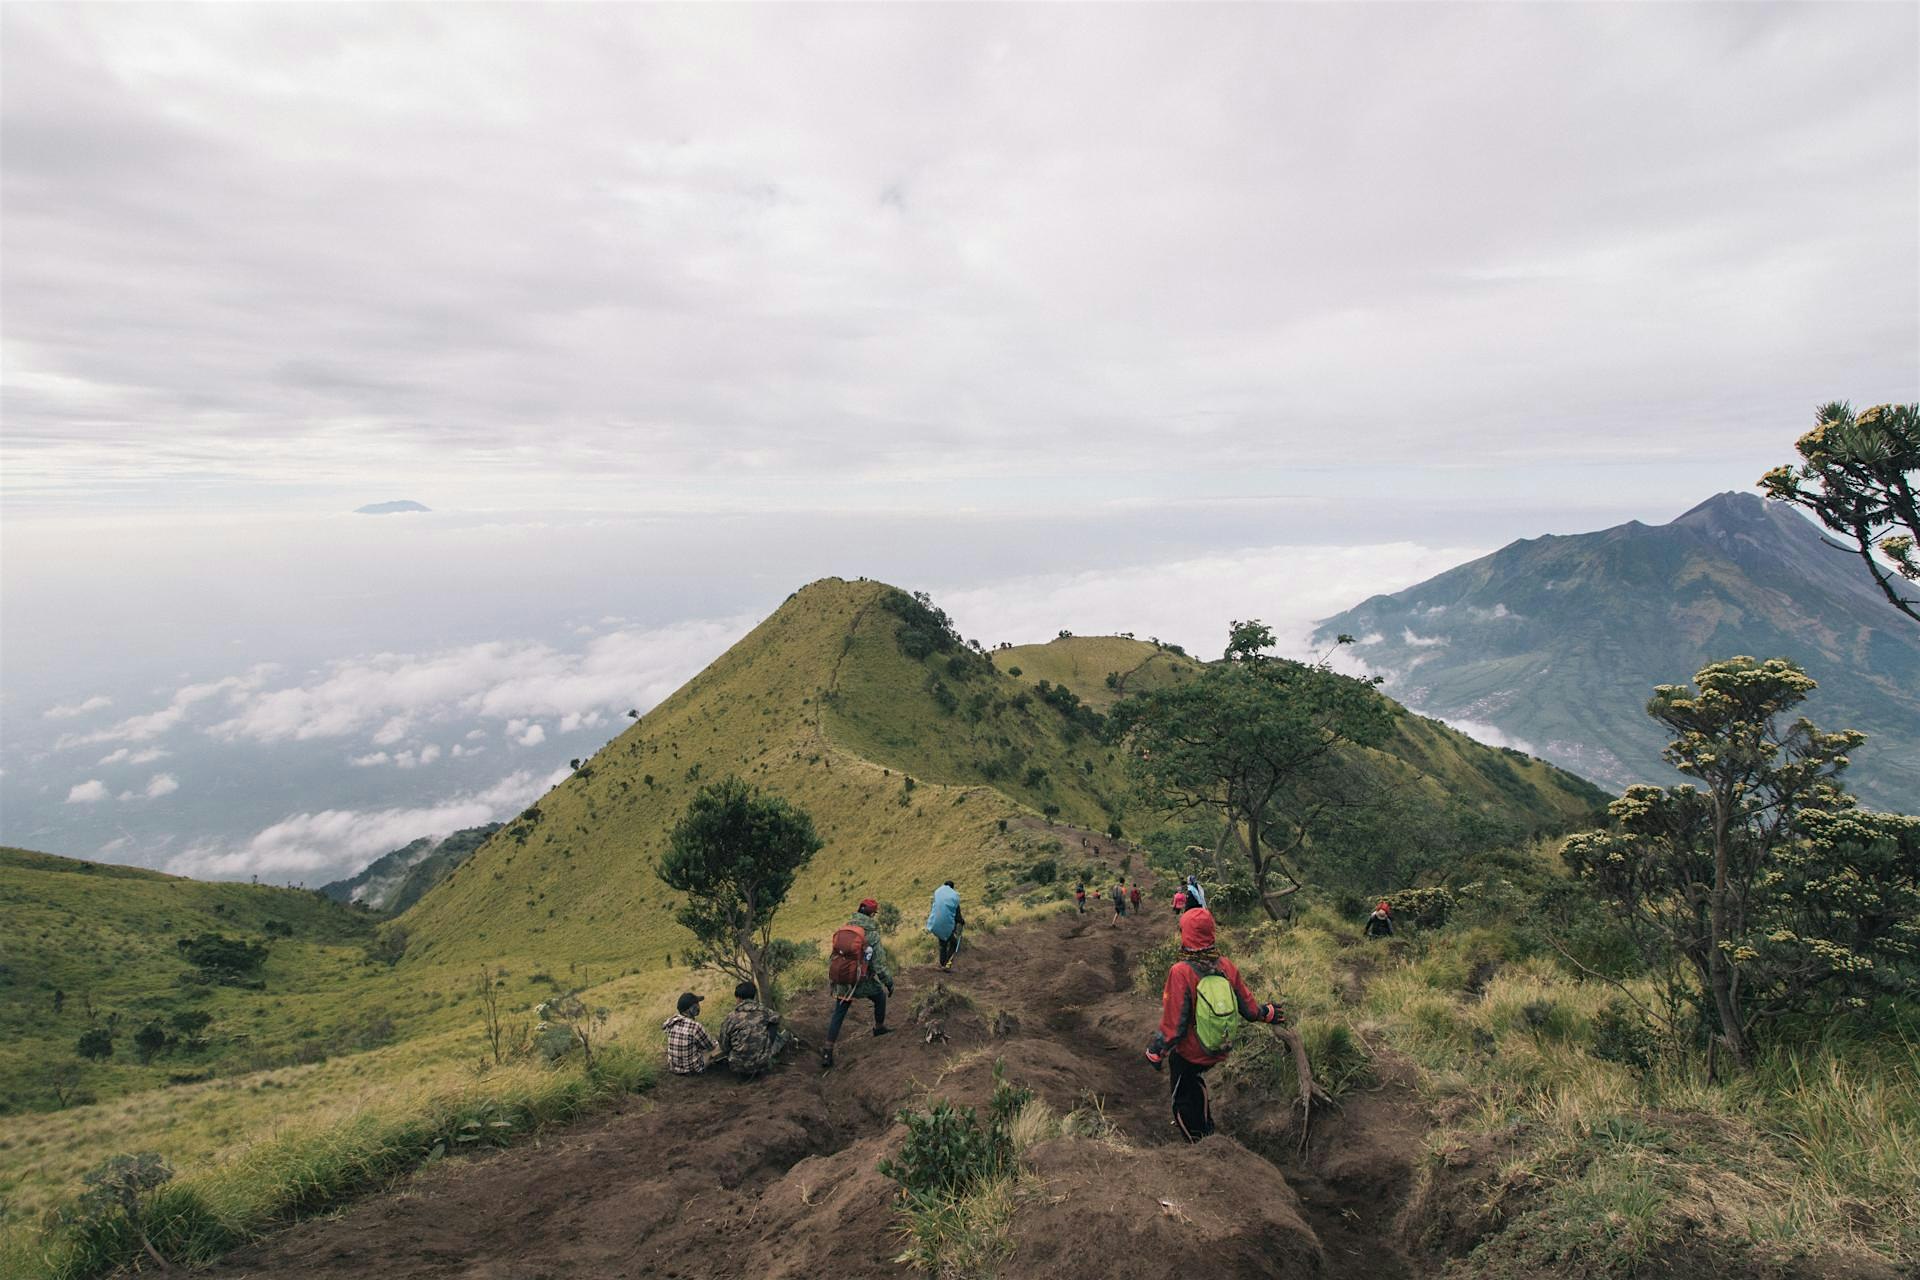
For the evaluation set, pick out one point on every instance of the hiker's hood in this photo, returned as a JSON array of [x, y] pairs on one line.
[[1196, 930]]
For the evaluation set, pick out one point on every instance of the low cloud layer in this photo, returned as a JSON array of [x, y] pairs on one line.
[[388, 699], [320, 846], [1192, 602]]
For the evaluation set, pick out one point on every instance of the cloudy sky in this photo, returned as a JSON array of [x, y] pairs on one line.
[[1184, 312]]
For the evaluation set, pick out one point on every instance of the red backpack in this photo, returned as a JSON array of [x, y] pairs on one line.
[[848, 963]]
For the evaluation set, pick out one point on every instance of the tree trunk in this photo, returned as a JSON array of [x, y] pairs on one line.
[[1310, 1092], [1719, 968]]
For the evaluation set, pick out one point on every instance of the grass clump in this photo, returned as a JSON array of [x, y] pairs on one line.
[[957, 1179]]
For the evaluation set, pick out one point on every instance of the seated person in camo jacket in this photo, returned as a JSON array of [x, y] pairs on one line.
[[751, 1038]]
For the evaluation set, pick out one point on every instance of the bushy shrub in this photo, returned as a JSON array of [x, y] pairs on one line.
[[948, 1152], [1621, 1034]]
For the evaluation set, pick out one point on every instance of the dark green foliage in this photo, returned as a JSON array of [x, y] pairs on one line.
[[95, 1043], [1422, 908], [1621, 1034], [150, 1040], [1043, 871], [231, 961], [1856, 475], [948, 1152], [1772, 892], [732, 858], [1255, 739]]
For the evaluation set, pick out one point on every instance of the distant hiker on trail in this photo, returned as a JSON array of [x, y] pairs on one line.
[[857, 968], [751, 1038], [688, 1043], [1202, 1006], [1119, 896], [944, 922], [1133, 897], [1080, 897], [1195, 898], [1380, 923], [1179, 903]]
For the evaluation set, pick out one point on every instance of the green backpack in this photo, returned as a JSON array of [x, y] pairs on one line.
[[1216, 1012]]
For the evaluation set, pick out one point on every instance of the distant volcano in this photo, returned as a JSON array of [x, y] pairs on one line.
[[1559, 641], [390, 508]]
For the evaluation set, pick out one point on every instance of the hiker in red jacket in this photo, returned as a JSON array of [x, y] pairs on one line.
[[1204, 1000], [1133, 896]]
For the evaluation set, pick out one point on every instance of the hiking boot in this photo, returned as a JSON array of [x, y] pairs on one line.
[[826, 1057], [883, 1031]]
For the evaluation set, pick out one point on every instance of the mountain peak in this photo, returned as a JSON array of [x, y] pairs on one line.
[[1731, 508]]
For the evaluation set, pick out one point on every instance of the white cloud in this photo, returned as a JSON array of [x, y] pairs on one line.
[[92, 791], [1193, 601], [429, 753], [1409, 637], [1481, 731], [143, 728], [127, 755], [461, 752], [391, 695], [533, 737], [97, 702], [372, 759], [336, 842], [578, 720], [161, 784]]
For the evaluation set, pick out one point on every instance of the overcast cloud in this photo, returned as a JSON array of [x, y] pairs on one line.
[[733, 256], [1138, 318]]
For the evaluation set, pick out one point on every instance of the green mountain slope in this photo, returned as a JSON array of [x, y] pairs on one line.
[[909, 766], [93, 945], [1423, 755], [1084, 663], [395, 881], [1559, 641]]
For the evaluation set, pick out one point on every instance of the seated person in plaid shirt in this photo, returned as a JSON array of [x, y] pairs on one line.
[[688, 1043]]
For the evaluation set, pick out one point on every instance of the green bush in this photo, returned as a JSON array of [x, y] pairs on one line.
[[1621, 1034]]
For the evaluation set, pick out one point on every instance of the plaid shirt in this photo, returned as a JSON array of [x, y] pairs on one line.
[[688, 1045]]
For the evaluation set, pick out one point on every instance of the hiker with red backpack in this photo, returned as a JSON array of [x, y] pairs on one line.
[[1080, 897], [1204, 1002], [1133, 896], [857, 968], [1380, 923], [1180, 902]]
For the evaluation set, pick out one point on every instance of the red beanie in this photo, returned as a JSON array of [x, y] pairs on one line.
[[869, 907], [1196, 930]]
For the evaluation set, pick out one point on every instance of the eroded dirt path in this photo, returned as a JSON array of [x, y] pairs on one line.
[[711, 1177]]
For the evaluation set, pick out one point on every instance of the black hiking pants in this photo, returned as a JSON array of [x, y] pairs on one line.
[[840, 1008], [948, 946], [1191, 1111]]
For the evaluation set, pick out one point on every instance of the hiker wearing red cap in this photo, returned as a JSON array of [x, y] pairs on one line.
[[1204, 1002], [857, 968], [1380, 923]]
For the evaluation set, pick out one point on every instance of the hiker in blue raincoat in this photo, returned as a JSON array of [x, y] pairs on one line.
[[944, 922]]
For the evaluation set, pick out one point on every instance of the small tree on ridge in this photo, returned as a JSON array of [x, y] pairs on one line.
[[732, 857]]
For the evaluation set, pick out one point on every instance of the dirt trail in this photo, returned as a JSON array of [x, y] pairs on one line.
[[710, 1177]]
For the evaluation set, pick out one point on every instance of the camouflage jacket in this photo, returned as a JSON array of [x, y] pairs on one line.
[[747, 1037]]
